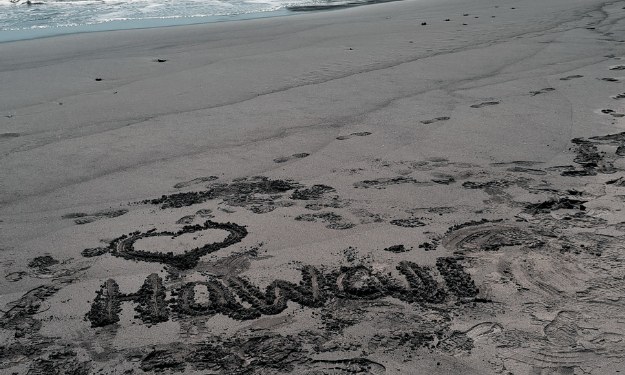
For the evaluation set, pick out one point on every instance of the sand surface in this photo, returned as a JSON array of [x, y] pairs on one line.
[[340, 192]]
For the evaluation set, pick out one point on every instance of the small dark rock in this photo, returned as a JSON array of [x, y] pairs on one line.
[[397, 249]]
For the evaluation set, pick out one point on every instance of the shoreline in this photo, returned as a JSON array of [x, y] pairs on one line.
[[7, 36]]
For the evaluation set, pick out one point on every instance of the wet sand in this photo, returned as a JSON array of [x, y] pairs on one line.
[[409, 187]]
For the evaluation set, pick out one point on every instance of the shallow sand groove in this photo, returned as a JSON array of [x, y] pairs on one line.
[[405, 188]]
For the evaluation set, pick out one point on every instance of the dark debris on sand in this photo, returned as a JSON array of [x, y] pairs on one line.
[[313, 192], [555, 204], [591, 159], [408, 223], [397, 249], [620, 182], [489, 185], [333, 220], [444, 180], [427, 246], [42, 262], [238, 193]]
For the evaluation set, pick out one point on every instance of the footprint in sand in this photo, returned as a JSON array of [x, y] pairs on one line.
[[525, 163], [619, 96], [536, 172], [86, 218], [609, 79], [578, 173], [408, 223], [484, 104], [568, 78], [557, 353], [612, 113], [358, 134], [205, 213], [542, 91], [9, 135], [186, 220], [443, 179], [195, 181], [437, 119], [333, 221], [284, 159]]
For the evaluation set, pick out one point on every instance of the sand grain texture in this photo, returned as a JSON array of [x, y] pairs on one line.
[[373, 190]]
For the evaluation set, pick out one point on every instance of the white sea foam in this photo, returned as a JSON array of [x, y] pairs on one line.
[[41, 14]]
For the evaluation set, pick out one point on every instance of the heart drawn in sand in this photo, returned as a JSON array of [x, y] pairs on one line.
[[123, 246]]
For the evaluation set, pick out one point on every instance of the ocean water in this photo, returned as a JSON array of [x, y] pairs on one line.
[[22, 19]]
